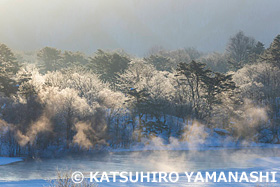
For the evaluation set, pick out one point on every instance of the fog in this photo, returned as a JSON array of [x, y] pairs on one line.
[[134, 25]]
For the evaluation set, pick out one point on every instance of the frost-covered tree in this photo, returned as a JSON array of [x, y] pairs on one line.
[[150, 93], [101, 99], [136, 76], [85, 82], [216, 62], [239, 47], [260, 83], [161, 95]]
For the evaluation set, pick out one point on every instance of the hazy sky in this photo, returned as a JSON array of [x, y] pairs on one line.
[[135, 25]]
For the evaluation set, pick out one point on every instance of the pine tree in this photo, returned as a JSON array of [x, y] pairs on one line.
[[205, 86], [259, 48], [194, 73], [8, 69], [256, 52], [108, 65], [161, 63], [139, 101], [51, 58], [272, 54], [219, 83], [73, 58]]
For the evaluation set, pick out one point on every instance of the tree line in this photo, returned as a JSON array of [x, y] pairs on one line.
[[54, 99]]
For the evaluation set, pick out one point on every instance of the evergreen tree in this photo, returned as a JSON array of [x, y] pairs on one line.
[[255, 52], [139, 103], [219, 83], [161, 63], [108, 65], [194, 73], [205, 86], [51, 58], [258, 48], [73, 58], [8, 68], [272, 54]]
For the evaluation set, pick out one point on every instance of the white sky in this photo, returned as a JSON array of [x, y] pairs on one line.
[[134, 25]]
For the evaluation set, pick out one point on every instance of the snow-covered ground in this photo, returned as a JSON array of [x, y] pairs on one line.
[[9, 160]]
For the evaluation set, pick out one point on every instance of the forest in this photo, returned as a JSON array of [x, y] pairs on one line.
[[70, 101]]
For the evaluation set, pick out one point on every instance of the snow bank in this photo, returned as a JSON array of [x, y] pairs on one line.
[[9, 160]]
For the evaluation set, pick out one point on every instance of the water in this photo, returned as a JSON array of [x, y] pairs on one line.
[[178, 161]]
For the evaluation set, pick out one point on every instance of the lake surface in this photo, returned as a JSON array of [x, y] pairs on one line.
[[178, 161]]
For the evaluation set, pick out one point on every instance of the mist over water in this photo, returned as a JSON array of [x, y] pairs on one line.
[[177, 161]]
